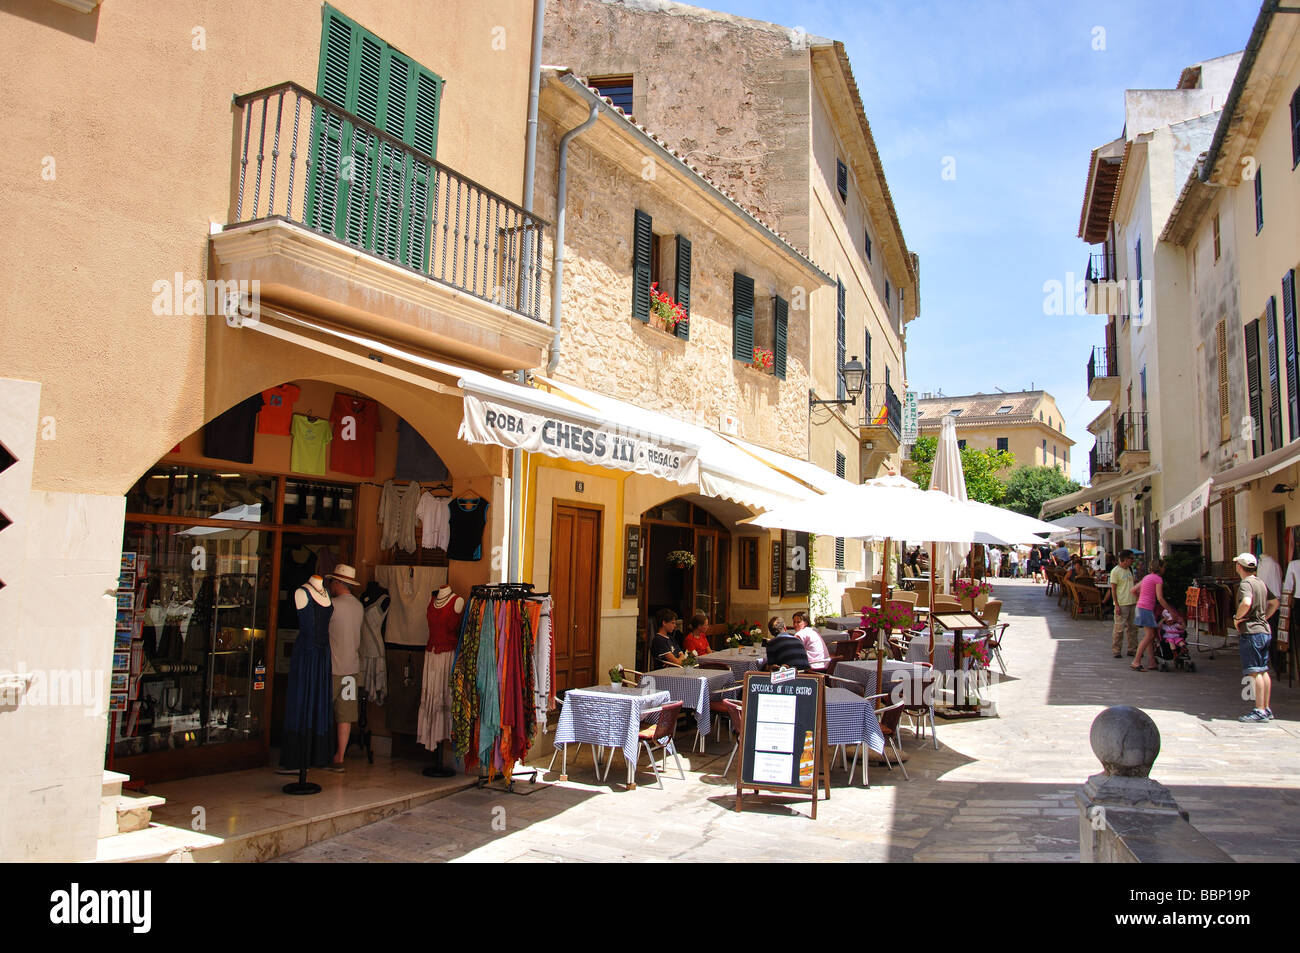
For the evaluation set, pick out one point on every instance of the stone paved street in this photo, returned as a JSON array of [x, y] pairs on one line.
[[1000, 789]]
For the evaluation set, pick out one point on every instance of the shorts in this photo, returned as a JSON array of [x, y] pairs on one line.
[[1145, 618], [1254, 652], [346, 710]]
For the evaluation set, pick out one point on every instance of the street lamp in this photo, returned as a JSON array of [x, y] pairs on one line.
[[854, 376]]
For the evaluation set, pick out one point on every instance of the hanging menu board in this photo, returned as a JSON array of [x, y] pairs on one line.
[[783, 745], [776, 568], [631, 560]]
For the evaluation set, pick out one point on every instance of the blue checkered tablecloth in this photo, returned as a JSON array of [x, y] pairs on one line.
[[851, 720], [918, 650], [605, 716], [903, 680], [692, 687], [740, 660]]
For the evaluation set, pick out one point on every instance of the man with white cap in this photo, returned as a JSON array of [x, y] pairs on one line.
[[1255, 606], [345, 652]]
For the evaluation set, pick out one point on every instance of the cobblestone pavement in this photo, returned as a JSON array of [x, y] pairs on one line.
[[999, 789]]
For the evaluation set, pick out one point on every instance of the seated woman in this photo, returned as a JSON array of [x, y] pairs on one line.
[[696, 641], [663, 646]]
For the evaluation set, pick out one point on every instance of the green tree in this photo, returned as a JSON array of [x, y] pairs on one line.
[[981, 468], [1028, 488]]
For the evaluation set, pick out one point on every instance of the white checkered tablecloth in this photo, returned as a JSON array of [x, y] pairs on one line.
[[906, 677], [692, 688], [605, 716], [851, 719], [740, 660]]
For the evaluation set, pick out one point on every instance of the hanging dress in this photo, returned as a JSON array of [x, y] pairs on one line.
[[435, 699], [309, 701]]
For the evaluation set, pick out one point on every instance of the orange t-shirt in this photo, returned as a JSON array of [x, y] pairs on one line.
[[276, 414], [697, 644]]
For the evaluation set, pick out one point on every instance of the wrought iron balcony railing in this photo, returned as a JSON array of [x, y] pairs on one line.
[[1103, 363], [882, 408], [1099, 267], [1102, 458], [304, 160], [1131, 434]]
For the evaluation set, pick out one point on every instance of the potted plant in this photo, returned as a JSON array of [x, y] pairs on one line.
[[616, 676], [665, 313], [690, 660], [755, 637], [968, 591], [681, 559], [763, 360]]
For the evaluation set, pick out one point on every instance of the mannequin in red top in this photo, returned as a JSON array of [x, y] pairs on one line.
[[444, 613], [696, 641]]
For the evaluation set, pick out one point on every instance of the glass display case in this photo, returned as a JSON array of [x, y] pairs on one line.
[[205, 494]]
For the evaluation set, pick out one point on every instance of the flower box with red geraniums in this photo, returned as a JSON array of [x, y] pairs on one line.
[[665, 312], [763, 360]]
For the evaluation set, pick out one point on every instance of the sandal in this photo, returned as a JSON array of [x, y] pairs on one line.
[[1137, 668]]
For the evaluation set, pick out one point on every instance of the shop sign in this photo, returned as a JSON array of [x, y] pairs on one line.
[[909, 433], [604, 445]]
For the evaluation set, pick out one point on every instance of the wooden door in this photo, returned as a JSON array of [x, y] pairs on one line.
[[575, 594]]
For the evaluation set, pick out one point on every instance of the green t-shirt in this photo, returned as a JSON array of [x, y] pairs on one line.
[[1256, 619], [310, 441]]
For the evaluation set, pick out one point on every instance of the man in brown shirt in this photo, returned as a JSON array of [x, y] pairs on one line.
[[1255, 606]]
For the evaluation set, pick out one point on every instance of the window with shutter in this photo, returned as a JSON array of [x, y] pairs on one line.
[[842, 180], [840, 461], [1225, 412], [1252, 385], [839, 339], [363, 190], [742, 318], [868, 245], [1138, 253], [1295, 128], [780, 335], [642, 264], [1215, 227], [683, 285], [1291, 343], [1274, 384], [866, 365], [1259, 200], [887, 293]]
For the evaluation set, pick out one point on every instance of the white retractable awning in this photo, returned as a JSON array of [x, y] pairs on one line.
[[823, 481], [1264, 466], [725, 471], [1091, 494], [1183, 519]]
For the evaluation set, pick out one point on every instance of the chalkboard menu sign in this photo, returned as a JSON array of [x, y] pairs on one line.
[[632, 560], [776, 568], [783, 745]]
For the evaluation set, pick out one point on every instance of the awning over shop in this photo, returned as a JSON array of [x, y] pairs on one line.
[[1266, 465], [725, 471], [823, 481], [1183, 519], [1091, 494]]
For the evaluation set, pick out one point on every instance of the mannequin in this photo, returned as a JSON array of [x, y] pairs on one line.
[[308, 718], [444, 615]]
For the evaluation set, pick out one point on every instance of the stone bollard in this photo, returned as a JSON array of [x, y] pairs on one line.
[[1125, 816]]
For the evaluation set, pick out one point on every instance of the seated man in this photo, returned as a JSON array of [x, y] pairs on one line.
[[784, 648], [813, 643], [664, 647]]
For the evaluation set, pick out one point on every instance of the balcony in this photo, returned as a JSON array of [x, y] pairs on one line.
[[882, 418], [339, 219], [1102, 459], [1103, 374], [1104, 291], [1131, 440]]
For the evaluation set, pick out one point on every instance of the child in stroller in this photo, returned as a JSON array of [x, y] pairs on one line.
[[1171, 646]]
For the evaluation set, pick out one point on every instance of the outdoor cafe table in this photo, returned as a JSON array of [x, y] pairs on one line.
[[693, 688], [606, 716], [851, 720], [908, 674], [739, 660]]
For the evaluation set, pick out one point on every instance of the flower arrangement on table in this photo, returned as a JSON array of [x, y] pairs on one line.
[[970, 589], [890, 615], [756, 635], [682, 559], [665, 309], [763, 360], [616, 675], [690, 659], [977, 650]]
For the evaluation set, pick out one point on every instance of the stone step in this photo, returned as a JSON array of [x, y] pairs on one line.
[[133, 813], [109, 793]]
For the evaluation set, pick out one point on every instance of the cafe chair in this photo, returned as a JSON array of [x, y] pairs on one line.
[[903, 595], [736, 721], [889, 717], [632, 678], [718, 699], [996, 633], [921, 709], [660, 734]]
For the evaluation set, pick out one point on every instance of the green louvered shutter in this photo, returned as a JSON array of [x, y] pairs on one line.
[[683, 282], [324, 184], [780, 335], [840, 392], [1274, 384], [426, 93], [364, 101], [742, 318], [1289, 337], [642, 250], [1253, 392]]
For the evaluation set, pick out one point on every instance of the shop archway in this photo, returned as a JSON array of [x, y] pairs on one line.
[[221, 533]]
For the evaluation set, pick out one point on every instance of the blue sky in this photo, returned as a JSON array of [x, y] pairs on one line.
[[1016, 94]]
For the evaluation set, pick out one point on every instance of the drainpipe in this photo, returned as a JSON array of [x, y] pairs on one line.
[[530, 166], [557, 270]]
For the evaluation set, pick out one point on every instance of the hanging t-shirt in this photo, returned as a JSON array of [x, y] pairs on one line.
[[416, 460], [435, 521], [355, 421], [468, 516], [277, 409], [229, 436], [310, 440]]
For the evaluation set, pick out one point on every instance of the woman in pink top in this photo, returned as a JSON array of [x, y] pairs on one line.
[[1151, 593]]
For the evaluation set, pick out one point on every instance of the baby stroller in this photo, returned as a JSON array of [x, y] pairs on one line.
[[1171, 645]]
